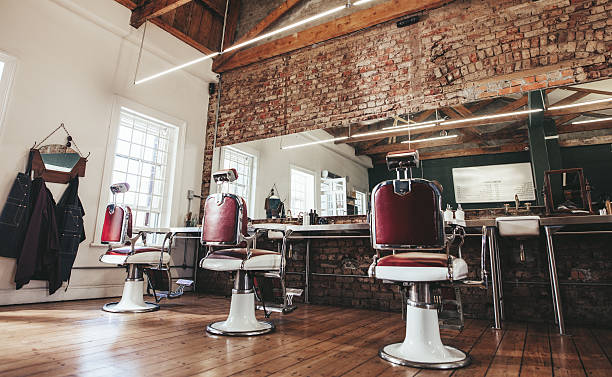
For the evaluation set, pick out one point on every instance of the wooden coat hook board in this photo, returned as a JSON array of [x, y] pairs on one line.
[[57, 163]]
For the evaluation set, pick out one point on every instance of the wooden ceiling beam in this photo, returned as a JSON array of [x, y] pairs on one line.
[[341, 26], [591, 126], [570, 99], [257, 29], [215, 5], [182, 36], [580, 109], [595, 140], [588, 91], [507, 148], [401, 146], [154, 9]]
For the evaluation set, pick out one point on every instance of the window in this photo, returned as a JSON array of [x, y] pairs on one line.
[[144, 152], [302, 191], [244, 164], [361, 202], [7, 69]]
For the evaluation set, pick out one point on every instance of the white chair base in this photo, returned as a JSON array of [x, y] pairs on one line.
[[422, 346], [132, 299], [241, 320]]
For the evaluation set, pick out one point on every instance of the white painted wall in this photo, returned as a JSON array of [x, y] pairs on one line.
[[74, 57], [274, 164]]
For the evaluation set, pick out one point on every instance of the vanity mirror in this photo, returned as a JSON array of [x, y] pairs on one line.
[[332, 170]]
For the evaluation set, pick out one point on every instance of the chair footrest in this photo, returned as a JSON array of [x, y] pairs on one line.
[[277, 308], [184, 282], [294, 291]]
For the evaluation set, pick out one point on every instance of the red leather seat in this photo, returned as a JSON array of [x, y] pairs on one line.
[[415, 260]]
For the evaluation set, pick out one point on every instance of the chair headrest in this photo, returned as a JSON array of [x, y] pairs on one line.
[[403, 159], [225, 175], [119, 188]]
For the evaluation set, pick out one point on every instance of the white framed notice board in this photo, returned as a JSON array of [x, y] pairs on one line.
[[493, 183]]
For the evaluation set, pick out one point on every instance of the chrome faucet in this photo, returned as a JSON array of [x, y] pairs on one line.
[[517, 202]]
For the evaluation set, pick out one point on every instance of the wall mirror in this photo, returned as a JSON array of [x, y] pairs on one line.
[[342, 164]]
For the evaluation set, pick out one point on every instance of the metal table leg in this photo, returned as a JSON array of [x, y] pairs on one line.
[[554, 280], [494, 278], [307, 275], [500, 279]]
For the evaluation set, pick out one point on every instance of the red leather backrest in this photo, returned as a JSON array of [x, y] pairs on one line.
[[113, 224], [129, 220], [221, 218], [413, 218]]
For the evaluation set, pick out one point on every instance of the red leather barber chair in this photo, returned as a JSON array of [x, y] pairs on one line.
[[225, 224], [123, 251], [407, 220]]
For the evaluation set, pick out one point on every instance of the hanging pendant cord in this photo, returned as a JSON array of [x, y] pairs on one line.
[[144, 32]]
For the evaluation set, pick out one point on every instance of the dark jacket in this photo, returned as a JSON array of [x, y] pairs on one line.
[[15, 215], [39, 258], [70, 214]]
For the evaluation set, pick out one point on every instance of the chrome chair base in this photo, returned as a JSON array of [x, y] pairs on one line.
[[112, 308], [216, 328], [386, 354]]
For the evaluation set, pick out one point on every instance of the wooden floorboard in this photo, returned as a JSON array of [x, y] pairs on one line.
[[78, 339]]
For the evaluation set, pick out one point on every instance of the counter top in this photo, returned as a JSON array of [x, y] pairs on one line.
[[473, 223]]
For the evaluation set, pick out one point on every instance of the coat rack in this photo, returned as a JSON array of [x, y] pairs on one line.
[[53, 171]]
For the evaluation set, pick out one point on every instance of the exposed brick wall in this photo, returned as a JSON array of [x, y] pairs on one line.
[[461, 52]]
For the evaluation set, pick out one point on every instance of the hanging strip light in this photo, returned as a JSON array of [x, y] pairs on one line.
[[414, 126], [256, 39], [185, 65], [315, 142], [494, 116], [593, 120], [430, 139], [580, 104]]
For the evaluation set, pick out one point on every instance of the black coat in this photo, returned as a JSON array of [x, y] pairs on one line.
[[39, 258], [70, 214], [15, 216]]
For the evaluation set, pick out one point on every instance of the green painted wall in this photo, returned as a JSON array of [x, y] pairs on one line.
[[596, 161]]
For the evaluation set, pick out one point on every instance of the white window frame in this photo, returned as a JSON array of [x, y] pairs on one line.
[[6, 82], [252, 179], [314, 188], [362, 203], [175, 160]]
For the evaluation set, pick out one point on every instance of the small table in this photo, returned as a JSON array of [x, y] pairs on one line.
[[553, 225]]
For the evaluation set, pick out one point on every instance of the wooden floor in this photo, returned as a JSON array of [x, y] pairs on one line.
[[77, 338]]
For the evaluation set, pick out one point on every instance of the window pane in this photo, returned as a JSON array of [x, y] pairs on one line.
[[142, 152]]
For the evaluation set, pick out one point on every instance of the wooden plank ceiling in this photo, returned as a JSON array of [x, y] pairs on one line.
[[199, 23]]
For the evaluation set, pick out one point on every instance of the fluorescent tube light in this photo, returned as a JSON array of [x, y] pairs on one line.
[[592, 120], [173, 69], [415, 126], [315, 142], [361, 2], [551, 137], [494, 116], [288, 27], [429, 139], [580, 104]]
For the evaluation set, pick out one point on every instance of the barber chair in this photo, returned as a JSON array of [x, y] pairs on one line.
[[407, 220], [225, 224], [138, 259]]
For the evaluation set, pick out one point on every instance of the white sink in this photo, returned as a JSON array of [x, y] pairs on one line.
[[518, 226]]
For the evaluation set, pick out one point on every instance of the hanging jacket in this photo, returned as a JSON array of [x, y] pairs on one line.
[[70, 214], [15, 215], [39, 258]]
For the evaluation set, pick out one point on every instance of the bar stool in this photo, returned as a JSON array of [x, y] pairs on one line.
[[407, 216]]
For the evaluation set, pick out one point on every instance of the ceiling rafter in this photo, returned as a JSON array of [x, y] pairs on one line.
[[147, 11], [257, 29], [341, 26]]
